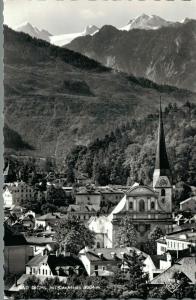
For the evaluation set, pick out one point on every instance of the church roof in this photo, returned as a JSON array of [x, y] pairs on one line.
[[161, 162], [120, 206], [141, 190]]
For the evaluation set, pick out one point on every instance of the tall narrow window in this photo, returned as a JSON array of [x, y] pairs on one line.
[[141, 205], [152, 205], [163, 192], [130, 205]]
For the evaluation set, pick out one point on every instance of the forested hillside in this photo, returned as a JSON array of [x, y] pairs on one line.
[[127, 154], [56, 98]]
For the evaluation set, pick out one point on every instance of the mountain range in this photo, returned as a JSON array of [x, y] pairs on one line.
[[148, 46], [143, 21], [166, 55], [56, 98]]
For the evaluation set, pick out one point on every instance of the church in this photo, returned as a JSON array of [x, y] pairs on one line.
[[147, 206]]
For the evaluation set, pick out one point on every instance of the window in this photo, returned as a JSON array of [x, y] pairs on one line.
[[98, 245], [43, 271], [152, 205], [46, 272], [163, 193], [141, 205], [131, 205]]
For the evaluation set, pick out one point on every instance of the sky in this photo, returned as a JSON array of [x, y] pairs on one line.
[[68, 16]]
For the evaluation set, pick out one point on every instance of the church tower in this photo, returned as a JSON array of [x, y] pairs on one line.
[[162, 179]]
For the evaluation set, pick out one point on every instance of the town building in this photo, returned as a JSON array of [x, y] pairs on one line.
[[156, 264], [18, 193], [88, 195], [49, 220], [83, 212], [177, 241], [105, 262], [52, 265]]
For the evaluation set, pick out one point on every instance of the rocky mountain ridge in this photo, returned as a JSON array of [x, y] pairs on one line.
[[166, 55]]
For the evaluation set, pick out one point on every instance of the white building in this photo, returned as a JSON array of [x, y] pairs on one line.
[[19, 193], [177, 241]]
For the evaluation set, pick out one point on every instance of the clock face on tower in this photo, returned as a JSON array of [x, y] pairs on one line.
[[163, 182]]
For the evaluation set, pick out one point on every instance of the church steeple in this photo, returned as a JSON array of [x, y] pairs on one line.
[[162, 167]]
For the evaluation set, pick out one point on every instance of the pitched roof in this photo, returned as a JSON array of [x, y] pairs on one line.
[[161, 162], [185, 265], [50, 216], [157, 258], [37, 260], [142, 189], [110, 254], [120, 207], [63, 262], [193, 198]]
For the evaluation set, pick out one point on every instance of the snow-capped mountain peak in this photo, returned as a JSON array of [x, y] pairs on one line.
[[90, 29], [33, 31], [146, 22]]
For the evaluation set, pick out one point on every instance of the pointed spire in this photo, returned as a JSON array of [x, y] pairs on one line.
[[162, 162]]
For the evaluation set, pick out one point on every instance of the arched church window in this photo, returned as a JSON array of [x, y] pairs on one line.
[[131, 205], [152, 205], [141, 205], [98, 245], [163, 193]]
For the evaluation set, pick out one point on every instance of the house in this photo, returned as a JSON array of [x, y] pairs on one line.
[[83, 212], [189, 205], [40, 245], [156, 264], [88, 195], [105, 261], [185, 266], [16, 251], [110, 195], [18, 194], [52, 265], [177, 241], [82, 179], [48, 220]]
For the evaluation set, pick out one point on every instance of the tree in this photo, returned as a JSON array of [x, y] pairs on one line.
[[137, 279], [72, 235], [126, 234], [150, 246]]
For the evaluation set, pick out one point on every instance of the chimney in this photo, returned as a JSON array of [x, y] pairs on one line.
[[113, 254], [100, 255], [15, 280]]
